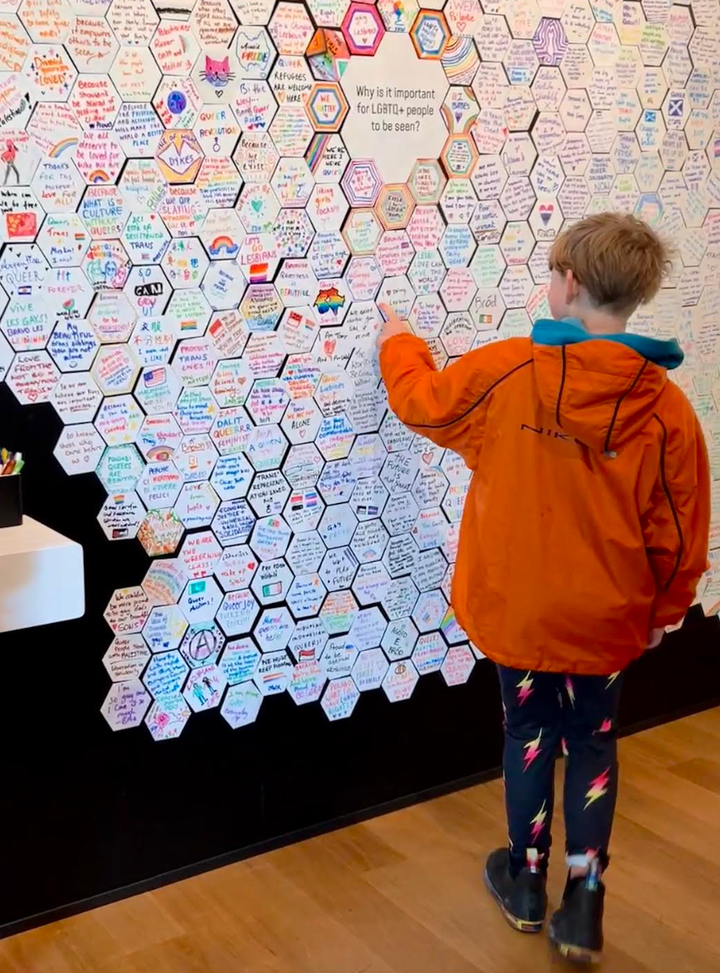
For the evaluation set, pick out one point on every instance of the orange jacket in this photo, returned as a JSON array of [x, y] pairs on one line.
[[587, 518]]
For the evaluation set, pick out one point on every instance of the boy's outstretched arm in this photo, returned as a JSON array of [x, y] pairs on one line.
[[448, 406], [676, 527]]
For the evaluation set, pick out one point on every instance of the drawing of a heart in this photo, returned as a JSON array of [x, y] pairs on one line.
[[256, 205], [329, 345], [250, 565], [546, 211], [427, 458]]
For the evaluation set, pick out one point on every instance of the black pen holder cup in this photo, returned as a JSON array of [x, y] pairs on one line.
[[11, 510]]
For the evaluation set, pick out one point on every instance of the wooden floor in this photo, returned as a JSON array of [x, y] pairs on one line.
[[402, 893]]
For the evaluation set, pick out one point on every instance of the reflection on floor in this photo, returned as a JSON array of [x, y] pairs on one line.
[[402, 893]]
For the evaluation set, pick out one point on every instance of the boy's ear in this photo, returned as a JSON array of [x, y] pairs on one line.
[[572, 288]]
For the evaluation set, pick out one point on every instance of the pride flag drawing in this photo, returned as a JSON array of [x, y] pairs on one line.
[[329, 299]]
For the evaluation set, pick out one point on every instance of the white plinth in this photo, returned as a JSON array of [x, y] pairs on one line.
[[41, 577]]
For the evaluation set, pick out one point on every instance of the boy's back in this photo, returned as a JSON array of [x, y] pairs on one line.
[[582, 528], [586, 522]]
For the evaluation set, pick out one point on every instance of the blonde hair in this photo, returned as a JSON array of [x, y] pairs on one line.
[[617, 258]]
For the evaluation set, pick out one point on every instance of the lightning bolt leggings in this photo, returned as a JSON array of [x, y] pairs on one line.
[[548, 713]]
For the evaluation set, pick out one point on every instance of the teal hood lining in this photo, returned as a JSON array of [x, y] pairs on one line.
[[570, 331]]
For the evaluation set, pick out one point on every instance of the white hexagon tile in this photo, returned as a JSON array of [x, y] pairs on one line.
[[203, 203]]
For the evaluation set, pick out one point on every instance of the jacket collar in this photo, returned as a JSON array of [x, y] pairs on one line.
[[570, 331]]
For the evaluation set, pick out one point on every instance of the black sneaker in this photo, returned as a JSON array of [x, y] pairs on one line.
[[576, 928], [522, 900]]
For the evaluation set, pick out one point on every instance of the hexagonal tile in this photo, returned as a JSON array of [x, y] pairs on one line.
[[239, 661], [457, 665], [241, 704], [233, 521], [237, 612], [118, 420], [200, 600], [125, 704], [75, 397], [121, 515], [126, 658], [400, 681], [165, 627]]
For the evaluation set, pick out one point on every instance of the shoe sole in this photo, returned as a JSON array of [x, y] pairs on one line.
[[572, 953], [520, 925]]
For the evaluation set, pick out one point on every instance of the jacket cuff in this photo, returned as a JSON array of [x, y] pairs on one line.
[[395, 346], [406, 336], [667, 617]]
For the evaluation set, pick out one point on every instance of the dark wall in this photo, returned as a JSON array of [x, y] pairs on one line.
[[85, 811]]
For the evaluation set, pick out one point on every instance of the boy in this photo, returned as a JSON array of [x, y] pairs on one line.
[[584, 534]]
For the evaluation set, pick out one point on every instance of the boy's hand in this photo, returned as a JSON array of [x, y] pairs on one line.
[[655, 637], [391, 326]]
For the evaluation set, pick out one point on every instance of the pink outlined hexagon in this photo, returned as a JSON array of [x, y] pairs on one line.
[[363, 29], [362, 182]]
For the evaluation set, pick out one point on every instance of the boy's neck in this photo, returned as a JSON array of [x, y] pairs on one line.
[[597, 321]]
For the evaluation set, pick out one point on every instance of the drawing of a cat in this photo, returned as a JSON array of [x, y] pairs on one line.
[[217, 73]]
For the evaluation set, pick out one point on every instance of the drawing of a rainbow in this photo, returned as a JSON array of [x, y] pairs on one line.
[[98, 175], [223, 244], [57, 150], [314, 152]]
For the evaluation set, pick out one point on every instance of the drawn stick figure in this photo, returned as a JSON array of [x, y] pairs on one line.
[[9, 156]]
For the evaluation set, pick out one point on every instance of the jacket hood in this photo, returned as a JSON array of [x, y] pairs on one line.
[[602, 389]]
